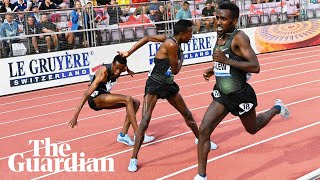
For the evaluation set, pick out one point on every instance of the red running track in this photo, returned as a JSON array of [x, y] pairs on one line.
[[285, 149]]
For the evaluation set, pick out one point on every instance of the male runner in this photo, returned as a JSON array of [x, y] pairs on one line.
[[233, 59], [160, 84], [99, 97]]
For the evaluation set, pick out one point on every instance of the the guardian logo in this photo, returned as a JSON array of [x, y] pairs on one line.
[[57, 157], [49, 68]]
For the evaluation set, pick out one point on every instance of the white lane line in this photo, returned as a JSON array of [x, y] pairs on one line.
[[161, 140], [240, 149], [184, 71], [153, 119]]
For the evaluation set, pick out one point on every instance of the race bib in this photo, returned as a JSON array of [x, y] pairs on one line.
[[109, 85], [221, 69]]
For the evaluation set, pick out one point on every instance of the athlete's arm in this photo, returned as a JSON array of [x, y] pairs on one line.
[[175, 63], [101, 74], [143, 41], [208, 73], [243, 49], [131, 73]]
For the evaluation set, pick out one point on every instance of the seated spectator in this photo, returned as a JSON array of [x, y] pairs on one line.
[[33, 28], [9, 28], [49, 27], [36, 14], [155, 6], [20, 20], [47, 4], [209, 10], [143, 17], [61, 27], [158, 16], [22, 5], [7, 7], [185, 13], [293, 11], [35, 3]]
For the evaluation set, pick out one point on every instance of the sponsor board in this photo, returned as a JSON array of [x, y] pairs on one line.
[[39, 71]]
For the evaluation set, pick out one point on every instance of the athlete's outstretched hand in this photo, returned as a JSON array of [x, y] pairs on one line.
[[123, 53], [219, 56], [207, 74], [73, 122], [131, 73]]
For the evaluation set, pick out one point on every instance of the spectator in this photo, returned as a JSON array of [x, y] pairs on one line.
[[22, 5], [57, 2], [49, 27], [7, 7], [157, 16], [76, 19], [47, 4], [155, 6], [114, 12], [209, 10], [9, 28], [185, 13], [33, 28], [35, 14], [21, 20], [61, 27], [35, 3], [88, 22]]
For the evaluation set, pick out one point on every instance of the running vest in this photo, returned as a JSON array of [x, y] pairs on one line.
[[110, 82], [161, 70], [229, 79]]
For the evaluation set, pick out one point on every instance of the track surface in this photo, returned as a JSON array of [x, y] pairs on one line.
[[285, 149]]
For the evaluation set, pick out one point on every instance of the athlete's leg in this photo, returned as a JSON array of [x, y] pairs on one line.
[[254, 123], [177, 102], [149, 103], [126, 125], [113, 101], [213, 116]]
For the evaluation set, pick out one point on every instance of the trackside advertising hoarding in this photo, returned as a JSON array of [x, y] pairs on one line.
[[26, 73]]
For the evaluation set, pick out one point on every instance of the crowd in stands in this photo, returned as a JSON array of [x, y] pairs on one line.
[[68, 24]]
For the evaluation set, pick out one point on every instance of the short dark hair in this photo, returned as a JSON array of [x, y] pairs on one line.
[[181, 26], [185, 3], [234, 9], [120, 59]]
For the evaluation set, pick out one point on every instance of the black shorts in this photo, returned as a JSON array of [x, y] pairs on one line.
[[95, 94], [238, 103], [163, 90]]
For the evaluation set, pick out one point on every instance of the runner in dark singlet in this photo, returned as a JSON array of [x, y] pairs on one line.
[[234, 60], [160, 84], [99, 97]]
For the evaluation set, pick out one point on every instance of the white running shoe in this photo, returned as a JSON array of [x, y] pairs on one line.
[[198, 177], [213, 145], [146, 138], [125, 140], [133, 165], [284, 110]]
